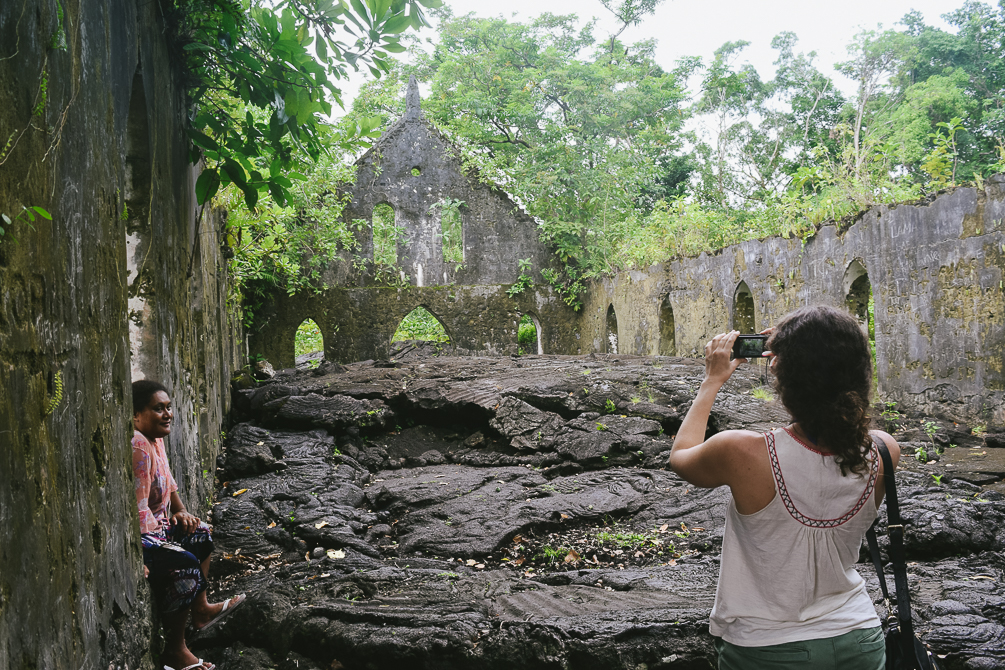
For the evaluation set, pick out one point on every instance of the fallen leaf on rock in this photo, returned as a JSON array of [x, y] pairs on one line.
[[325, 574], [519, 561], [479, 566], [470, 562], [260, 443], [307, 557], [336, 554], [572, 556], [271, 525], [565, 516], [517, 539], [672, 562], [237, 493], [320, 524], [663, 528]]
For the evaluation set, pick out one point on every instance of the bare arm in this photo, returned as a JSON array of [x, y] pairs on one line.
[[735, 458], [696, 460], [180, 516]]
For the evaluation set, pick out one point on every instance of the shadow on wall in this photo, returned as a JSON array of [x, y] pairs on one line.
[[668, 329]]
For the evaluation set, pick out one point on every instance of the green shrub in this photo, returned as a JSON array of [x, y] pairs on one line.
[[420, 324], [308, 339]]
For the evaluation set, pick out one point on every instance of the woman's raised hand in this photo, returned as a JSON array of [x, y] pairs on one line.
[[718, 366]]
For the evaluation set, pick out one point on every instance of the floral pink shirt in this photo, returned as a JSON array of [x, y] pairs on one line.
[[154, 484]]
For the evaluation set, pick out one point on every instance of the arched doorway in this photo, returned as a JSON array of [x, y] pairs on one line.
[[743, 309], [668, 332], [611, 339], [422, 325], [529, 335], [858, 292], [859, 301], [308, 343]]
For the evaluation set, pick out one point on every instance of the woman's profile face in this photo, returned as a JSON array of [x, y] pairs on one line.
[[155, 420]]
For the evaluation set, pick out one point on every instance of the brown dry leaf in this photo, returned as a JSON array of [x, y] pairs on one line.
[[517, 539], [565, 516], [271, 525], [519, 561], [639, 554], [672, 562], [595, 561], [237, 493], [695, 529], [307, 557], [572, 556], [664, 527], [320, 524]]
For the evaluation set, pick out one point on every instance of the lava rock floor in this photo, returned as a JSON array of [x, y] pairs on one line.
[[517, 512]]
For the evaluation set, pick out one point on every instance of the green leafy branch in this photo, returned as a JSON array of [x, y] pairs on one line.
[[263, 80], [524, 281], [27, 216]]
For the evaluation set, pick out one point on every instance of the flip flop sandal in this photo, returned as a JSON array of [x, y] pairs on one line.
[[200, 665], [229, 605]]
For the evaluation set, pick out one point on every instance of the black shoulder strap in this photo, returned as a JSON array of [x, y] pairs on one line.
[[895, 530]]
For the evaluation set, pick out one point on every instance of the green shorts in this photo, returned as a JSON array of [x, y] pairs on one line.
[[858, 650]]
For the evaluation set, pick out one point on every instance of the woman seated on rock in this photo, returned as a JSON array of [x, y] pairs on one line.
[[803, 497], [176, 545]]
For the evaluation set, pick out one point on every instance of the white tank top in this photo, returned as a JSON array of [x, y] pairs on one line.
[[787, 570]]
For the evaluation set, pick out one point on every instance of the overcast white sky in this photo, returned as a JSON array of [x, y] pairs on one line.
[[690, 28]]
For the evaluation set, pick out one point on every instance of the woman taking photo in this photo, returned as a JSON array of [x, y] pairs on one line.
[[803, 497]]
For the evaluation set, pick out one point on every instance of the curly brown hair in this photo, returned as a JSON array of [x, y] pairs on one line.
[[823, 374]]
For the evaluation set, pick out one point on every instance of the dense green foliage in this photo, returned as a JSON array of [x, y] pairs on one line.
[[624, 169], [262, 75], [308, 338], [625, 163], [527, 334], [420, 324]]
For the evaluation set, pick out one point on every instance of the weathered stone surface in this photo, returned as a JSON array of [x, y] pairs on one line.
[[526, 426], [332, 412], [443, 565], [125, 282]]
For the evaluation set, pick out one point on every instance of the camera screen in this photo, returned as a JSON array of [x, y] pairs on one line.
[[749, 347]]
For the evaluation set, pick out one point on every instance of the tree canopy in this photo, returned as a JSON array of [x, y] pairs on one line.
[[625, 163]]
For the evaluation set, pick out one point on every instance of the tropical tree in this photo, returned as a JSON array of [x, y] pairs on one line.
[[264, 77]]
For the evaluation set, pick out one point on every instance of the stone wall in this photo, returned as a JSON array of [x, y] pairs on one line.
[[936, 271], [412, 168], [91, 129]]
